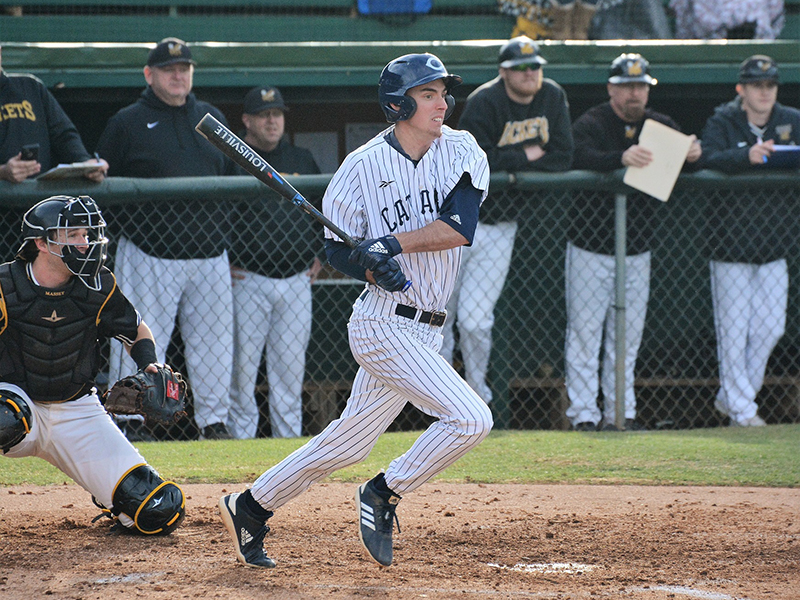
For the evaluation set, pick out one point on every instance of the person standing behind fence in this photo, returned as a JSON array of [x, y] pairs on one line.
[[521, 120], [271, 280], [31, 116], [749, 237], [172, 259], [606, 139]]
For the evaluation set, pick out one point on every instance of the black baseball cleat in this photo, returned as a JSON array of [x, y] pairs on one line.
[[376, 516], [246, 530]]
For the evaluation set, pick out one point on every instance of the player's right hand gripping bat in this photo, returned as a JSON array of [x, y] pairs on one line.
[[243, 155]]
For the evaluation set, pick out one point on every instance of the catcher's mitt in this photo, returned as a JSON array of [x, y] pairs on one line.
[[158, 396]]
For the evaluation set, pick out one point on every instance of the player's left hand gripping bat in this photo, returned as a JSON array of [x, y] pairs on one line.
[[243, 155]]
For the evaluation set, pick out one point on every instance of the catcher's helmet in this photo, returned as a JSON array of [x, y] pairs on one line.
[[406, 72], [630, 68], [69, 212], [758, 67]]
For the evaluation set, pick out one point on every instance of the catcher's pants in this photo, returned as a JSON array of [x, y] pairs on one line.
[[198, 292], [276, 313], [750, 318], [484, 268], [80, 439], [399, 363], [590, 293]]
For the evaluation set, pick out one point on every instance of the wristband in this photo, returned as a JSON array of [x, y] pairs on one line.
[[143, 353]]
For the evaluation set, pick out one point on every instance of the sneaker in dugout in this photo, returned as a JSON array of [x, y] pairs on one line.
[[375, 511], [246, 530], [216, 431]]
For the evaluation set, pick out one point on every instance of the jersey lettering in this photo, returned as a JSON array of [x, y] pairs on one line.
[[400, 214], [17, 110], [427, 207], [516, 132]]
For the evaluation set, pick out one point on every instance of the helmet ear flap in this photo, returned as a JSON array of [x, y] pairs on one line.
[[451, 105]]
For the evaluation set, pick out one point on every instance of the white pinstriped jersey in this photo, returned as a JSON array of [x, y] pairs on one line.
[[377, 191]]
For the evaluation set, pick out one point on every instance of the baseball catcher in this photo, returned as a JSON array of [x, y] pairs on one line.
[[156, 392], [57, 303]]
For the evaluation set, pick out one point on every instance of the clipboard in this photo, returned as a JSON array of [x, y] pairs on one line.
[[669, 148], [68, 171], [784, 157]]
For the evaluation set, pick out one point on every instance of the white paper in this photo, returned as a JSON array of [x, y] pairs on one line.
[[669, 148], [67, 171]]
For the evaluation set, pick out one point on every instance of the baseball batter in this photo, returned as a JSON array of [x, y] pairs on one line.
[[56, 302], [412, 194]]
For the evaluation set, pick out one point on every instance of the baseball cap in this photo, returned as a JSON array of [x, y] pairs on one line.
[[170, 51], [758, 67], [262, 98], [520, 50], [630, 68]]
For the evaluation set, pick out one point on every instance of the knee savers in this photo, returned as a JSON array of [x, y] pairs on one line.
[[155, 506], [15, 419]]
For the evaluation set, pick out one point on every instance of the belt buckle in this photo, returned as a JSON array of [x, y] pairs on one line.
[[438, 318]]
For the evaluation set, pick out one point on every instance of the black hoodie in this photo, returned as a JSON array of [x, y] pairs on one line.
[[152, 139]]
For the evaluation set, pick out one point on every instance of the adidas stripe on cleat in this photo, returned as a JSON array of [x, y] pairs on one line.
[[246, 530], [376, 517]]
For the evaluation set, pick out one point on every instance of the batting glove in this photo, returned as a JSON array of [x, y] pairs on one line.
[[371, 254], [389, 276]]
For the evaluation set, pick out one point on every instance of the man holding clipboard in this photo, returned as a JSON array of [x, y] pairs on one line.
[[749, 238], [607, 139]]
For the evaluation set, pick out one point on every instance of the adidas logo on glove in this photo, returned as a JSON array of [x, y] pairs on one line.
[[379, 248]]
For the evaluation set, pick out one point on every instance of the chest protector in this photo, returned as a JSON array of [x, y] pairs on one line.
[[48, 338]]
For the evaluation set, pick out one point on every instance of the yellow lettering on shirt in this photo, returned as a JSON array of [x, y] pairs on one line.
[[17, 110], [517, 132]]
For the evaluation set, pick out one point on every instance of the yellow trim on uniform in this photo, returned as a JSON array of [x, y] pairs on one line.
[[3, 310], [97, 320], [19, 410]]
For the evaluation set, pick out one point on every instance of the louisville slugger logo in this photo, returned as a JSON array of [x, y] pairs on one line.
[[248, 153]]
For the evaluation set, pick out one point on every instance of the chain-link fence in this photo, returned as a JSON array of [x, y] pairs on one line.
[[677, 374]]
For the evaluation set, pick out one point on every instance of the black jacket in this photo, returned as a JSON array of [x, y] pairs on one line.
[[503, 128], [273, 238], [744, 225], [600, 139], [152, 139], [29, 114]]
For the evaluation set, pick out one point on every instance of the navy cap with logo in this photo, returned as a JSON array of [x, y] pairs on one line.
[[170, 51], [758, 67], [520, 50], [630, 68], [263, 98]]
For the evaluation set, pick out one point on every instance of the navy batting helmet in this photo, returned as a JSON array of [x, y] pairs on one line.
[[630, 68], [406, 72], [68, 212]]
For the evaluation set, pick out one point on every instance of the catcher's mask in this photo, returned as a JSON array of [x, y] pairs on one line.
[[406, 72], [62, 215]]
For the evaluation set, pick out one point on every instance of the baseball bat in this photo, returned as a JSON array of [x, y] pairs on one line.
[[243, 155]]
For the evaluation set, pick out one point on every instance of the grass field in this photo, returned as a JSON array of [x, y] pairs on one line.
[[765, 456]]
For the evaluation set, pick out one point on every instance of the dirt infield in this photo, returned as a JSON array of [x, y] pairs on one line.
[[457, 542]]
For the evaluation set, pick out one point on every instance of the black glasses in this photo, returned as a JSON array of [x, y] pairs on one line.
[[524, 67]]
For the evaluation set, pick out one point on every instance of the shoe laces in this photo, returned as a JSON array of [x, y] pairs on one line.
[[389, 518]]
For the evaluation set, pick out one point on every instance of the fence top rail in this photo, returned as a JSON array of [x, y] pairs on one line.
[[119, 190]]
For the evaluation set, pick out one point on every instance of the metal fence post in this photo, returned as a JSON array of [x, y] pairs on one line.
[[620, 207]]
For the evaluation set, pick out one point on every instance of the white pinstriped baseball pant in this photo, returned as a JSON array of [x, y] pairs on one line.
[[400, 363]]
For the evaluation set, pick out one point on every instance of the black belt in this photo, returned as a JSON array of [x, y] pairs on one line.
[[434, 319]]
